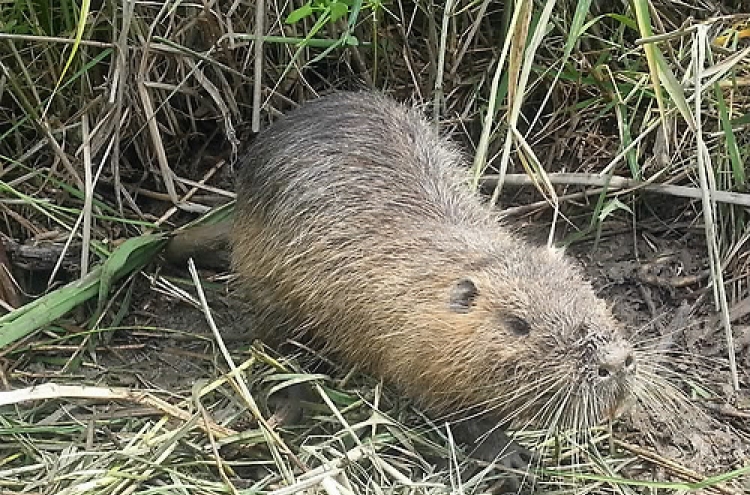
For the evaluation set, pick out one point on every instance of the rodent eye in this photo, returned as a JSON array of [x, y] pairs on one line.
[[463, 294], [518, 325]]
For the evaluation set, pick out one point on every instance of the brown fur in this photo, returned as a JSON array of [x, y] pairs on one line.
[[354, 223]]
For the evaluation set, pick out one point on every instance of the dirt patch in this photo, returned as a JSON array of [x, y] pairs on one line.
[[657, 286]]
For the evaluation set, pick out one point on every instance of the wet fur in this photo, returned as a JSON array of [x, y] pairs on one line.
[[354, 223]]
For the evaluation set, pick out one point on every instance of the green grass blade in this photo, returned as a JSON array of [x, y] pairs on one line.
[[82, 15], [674, 88], [730, 140], [131, 256], [643, 19]]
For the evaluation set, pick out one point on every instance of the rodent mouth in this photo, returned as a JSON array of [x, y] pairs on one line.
[[588, 390], [616, 409], [595, 397], [614, 395], [577, 405]]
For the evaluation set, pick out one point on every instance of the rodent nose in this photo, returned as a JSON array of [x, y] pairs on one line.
[[615, 362]]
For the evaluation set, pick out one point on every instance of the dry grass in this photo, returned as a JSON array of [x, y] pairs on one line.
[[121, 120]]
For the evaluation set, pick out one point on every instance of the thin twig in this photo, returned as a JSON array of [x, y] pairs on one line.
[[50, 391], [53, 39], [670, 465], [616, 182]]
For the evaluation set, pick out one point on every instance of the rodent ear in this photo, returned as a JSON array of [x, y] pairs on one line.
[[518, 325], [463, 294]]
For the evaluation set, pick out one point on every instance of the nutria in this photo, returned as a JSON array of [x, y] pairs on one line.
[[355, 224], [209, 244]]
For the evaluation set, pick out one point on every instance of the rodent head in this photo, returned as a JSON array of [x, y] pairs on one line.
[[553, 351]]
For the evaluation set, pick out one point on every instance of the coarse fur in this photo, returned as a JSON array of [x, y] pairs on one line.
[[355, 223]]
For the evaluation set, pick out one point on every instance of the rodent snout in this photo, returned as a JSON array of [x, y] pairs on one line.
[[616, 361]]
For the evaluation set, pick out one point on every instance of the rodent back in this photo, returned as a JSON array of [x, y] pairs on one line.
[[352, 215], [355, 154]]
